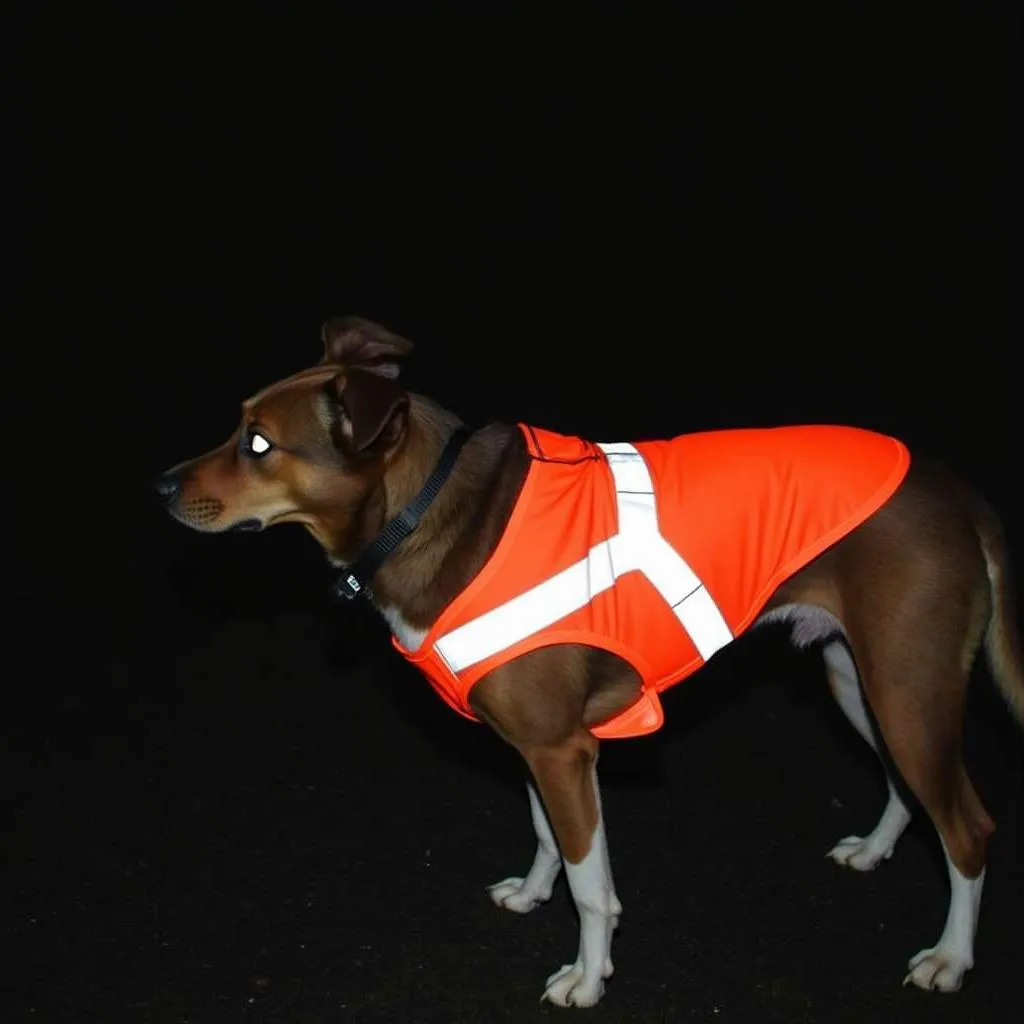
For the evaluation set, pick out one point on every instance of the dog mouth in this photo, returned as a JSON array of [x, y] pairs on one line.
[[246, 526], [205, 514]]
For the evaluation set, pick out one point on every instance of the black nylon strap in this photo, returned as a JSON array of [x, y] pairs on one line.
[[356, 578]]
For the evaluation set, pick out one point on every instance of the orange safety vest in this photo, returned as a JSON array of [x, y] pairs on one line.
[[661, 552]]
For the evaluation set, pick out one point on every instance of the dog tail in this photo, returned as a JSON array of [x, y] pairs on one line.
[[1002, 641]]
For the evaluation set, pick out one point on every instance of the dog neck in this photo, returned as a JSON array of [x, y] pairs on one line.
[[461, 527]]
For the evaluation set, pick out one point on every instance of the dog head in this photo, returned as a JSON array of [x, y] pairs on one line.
[[310, 449]]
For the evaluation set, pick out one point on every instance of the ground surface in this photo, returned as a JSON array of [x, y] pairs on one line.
[[261, 814]]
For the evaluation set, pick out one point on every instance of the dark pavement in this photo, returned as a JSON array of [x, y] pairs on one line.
[[264, 815]]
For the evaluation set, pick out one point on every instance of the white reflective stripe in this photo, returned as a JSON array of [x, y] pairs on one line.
[[532, 610], [704, 622], [668, 571], [637, 545], [631, 476]]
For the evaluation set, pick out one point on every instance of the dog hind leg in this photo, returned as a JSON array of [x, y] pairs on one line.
[[916, 689], [857, 852]]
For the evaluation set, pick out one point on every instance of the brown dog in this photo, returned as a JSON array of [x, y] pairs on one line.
[[901, 604]]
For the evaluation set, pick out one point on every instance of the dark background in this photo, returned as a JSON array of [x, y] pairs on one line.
[[225, 799]]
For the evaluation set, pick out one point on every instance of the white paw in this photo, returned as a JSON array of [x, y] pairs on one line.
[[566, 986], [517, 894], [937, 971], [861, 854]]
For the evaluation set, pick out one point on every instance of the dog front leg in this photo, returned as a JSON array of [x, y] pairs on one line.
[[523, 894], [566, 777]]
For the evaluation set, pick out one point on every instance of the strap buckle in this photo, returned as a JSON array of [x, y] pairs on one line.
[[346, 586]]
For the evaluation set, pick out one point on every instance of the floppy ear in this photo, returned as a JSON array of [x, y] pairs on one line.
[[367, 409], [362, 343]]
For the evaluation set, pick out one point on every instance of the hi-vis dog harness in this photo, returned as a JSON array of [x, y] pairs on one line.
[[661, 552]]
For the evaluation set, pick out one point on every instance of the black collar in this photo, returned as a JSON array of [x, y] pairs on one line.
[[356, 578]]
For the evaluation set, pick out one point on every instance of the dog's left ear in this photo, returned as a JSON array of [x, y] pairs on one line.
[[369, 411], [362, 343]]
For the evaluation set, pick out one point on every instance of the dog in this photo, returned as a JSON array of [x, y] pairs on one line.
[[895, 567]]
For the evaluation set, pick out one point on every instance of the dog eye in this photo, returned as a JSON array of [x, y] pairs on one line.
[[257, 445]]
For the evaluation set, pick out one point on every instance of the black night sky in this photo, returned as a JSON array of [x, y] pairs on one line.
[[225, 798]]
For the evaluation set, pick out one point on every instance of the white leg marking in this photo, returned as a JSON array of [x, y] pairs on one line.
[[862, 853], [942, 967], [590, 881], [523, 894]]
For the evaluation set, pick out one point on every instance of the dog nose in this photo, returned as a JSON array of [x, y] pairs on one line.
[[167, 487]]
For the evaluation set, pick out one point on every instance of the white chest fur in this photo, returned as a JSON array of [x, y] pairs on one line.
[[408, 636]]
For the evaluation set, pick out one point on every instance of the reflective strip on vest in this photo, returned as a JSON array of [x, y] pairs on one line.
[[637, 546]]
